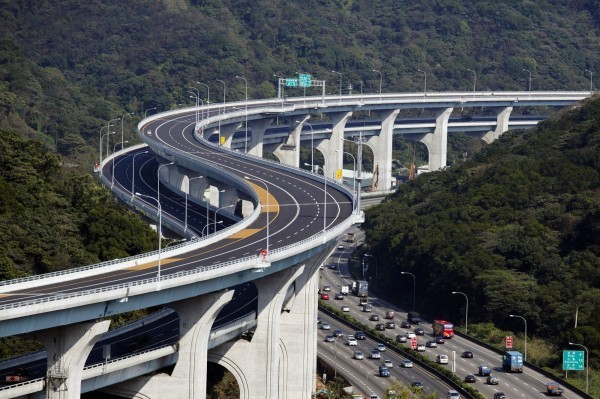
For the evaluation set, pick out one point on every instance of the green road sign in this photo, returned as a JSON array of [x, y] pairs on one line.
[[573, 360], [291, 82], [304, 79]]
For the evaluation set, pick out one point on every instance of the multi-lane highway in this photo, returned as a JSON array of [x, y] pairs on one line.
[[527, 385]]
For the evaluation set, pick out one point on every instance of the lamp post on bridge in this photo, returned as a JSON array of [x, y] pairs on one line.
[[466, 311], [146, 111], [217, 211], [207, 97], [246, 102], [425, 85], [587, 365], [325, 202], [474, 80], [159, 233], [414, 288], [108, 139], [591, 79], [525, 321], [380, 81], [529, 72], [339, 73], [133, 173], [112, 177], [267, 202], [158, 178], [122, 119], [186, 187], [354, 190]]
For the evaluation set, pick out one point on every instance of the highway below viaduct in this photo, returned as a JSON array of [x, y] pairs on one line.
[[276, 224]]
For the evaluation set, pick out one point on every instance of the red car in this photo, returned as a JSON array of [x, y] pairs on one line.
[[325, 297]]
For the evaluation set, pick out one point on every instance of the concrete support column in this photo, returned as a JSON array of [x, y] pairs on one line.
[[227, 132], [502, 119], [382, 149], [258, 127], [288, 152], [188, 379], [328, 147], [299, 337], [256, 363], [437, 142], [68, 348]]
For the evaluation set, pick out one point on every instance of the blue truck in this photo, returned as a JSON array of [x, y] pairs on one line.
[[512, 361]]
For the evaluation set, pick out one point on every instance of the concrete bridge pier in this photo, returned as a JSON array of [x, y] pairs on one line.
[[502, 118], [382, 149], [328, 147], [437, 142], [260, 364], [68, 348], [258, 127], [288, 152], [188, 379], [226, 133]]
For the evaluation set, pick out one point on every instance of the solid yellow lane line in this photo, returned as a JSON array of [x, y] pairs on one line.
[[273, 207], [154, 264]]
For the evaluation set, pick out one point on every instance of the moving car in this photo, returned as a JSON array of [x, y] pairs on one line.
[[440, 340], [401, 338], [325, 297], [389, 314], [384, 371], [484, 370], [380, 327], [338, 333], [325, 326], [417, 384], [499, 395], [326, 288], [420, 347], [329, 338], [374, 317], [419, 331], [431, 344], [19, 375], [339, 297], [470, 378], [442, 359], [467, 354], [452, 394], [405, 324], [492, 380], [360, 335], [381, 347], [352, 341], [367, 308], [345, 308], [390, 325], [375, 354], [358, 355], [406, 363], [410, 335], [388, 363]]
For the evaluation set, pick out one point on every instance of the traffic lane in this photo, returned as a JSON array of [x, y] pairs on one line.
[[528, 382], [405, 375]]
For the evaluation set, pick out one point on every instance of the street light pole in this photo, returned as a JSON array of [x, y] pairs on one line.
[[340, 81], [133, 173], [587, 365], [187, 190], [246, 141], [376, 265], [146, 111], [100, 161], [267, 201], [474, 79], [354, 192], [529, 72], [122, 119], [158, 178], [112, 177], [414, 288], [425, 88], [217, 211], [325, 202], [466, 311], [159, 233], [108, 139], [525, 321], [380, 81], [207, 94], [591, 79]]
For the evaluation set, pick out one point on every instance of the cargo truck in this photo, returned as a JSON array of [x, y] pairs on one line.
[[345, 290], [553, 389], [443, 328], [512, 361], [361, 288]]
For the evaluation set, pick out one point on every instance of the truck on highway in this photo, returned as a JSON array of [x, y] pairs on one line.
[[443, 328], [413, 317], [512, 361], [345, 290], [361, 288], [553, 389], [350, 237]]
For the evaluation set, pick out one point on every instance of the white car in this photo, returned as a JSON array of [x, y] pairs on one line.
[[352, 341], [326, 288], [358, 355], [381, 347], [388, 364], [442, 359], [406, 363], [375, 354], [345, 308], [410, 335], [420, 347], [325, 326]]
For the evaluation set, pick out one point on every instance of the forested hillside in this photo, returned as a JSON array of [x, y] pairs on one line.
[[517, 229], [68, 67]]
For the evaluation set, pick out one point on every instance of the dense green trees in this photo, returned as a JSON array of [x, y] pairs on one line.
[[516, 229]]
